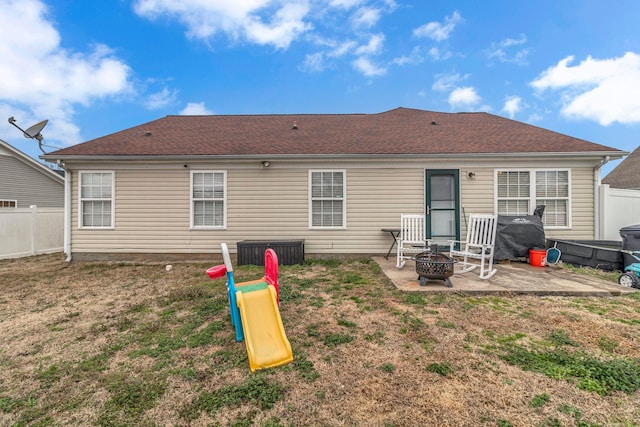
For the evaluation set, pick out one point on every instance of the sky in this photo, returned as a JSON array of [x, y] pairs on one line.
[[95, 68]]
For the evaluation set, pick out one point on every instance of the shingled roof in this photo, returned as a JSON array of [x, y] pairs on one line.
[[626, 174], [401, 131]]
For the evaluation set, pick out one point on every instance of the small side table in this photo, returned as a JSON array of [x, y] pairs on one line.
[[395, 232]]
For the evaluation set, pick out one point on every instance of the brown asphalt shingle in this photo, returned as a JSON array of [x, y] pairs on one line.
[[626, 174], [401, 131]]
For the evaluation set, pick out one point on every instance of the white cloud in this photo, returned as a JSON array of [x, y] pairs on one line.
[[350, 4], [373, 47], [319, 61], [414, 58], [342, 49], [161, 99], [39, 75], [314, 62], [464, 97], [345, 4], [445, 82], [251, 20], [366, 17], [368, 68], [279, 23], [602, 90], [535, 117], [196, 109], [501, 50], [438, 55], [438, 31], [512, 106], [363, 62]]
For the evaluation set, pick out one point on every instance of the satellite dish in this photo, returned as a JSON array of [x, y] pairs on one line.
[[34, 131]]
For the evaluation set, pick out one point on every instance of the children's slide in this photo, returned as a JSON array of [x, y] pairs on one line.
[[266, 341]]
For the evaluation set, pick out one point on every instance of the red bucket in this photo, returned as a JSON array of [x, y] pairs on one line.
[[538, 257]]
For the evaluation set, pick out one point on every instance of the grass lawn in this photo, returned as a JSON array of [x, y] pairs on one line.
[[132, 344]]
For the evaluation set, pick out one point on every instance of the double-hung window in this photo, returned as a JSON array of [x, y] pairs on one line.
[[518, 192], [327, 202], [208, 199], [96, 200]]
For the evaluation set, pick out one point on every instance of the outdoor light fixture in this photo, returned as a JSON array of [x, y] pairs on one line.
[[471, 175], [265, 163]]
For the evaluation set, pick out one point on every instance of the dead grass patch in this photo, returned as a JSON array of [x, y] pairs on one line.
[[134, 344]]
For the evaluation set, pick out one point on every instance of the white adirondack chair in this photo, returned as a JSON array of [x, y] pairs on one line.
[[411, 239], [479, 245]]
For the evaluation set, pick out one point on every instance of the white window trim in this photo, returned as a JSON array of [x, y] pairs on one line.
[[15, 203], [344, 200], [81, 226], [224, 201], [532, 191]]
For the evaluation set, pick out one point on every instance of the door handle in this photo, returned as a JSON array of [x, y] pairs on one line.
[[428, 210]]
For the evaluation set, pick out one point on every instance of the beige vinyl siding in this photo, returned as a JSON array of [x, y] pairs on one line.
[[152, 211], [267, 203], [152, 206], [476, 195], [151, 214]]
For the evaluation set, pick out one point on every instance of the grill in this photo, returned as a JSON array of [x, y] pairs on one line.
[[432, 265]]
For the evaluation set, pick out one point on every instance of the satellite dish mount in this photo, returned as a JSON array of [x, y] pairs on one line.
[[33, 132]]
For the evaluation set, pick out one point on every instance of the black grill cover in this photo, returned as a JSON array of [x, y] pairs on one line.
[[515, 235]]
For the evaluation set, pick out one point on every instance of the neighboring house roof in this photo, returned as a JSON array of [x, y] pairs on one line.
[[401, 131], [626, 174], [30, 161]]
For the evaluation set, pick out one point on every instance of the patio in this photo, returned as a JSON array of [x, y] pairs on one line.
[[513, 277]]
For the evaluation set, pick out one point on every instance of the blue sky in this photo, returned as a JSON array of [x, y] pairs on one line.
[[94, 68]]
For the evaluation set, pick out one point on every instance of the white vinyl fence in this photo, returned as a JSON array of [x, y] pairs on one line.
[[31, 231], [618, 208]]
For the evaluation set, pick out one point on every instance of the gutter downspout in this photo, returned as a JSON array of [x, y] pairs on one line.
[[596, 196], [67, 210]]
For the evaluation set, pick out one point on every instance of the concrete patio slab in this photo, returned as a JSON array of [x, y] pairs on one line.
[[514, 278]]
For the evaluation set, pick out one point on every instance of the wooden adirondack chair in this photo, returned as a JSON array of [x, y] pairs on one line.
[[479, 245], [411, 239]]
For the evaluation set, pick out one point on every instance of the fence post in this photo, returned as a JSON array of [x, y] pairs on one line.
[[34, 227], [603, 214]]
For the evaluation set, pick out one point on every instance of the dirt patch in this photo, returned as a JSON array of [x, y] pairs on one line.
[[134, 344]]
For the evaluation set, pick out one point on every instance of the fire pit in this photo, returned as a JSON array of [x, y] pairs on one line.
[[432, 265]]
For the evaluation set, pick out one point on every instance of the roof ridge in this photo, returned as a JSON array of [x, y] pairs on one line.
[[270, 115]]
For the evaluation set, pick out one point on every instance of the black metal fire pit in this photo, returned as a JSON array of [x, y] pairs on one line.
[[432, 265]]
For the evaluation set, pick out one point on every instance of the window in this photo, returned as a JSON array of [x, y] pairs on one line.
[[96, 199], [327, 199], [518, 192], [552, 190], [208, 199], [8, 203], [514, 193]]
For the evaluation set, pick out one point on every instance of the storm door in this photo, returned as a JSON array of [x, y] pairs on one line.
[[442, 204]]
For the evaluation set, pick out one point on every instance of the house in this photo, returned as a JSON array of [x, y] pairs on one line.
[[31, 205], [627, 174], [620, 197], [181, 185], [26, 182]]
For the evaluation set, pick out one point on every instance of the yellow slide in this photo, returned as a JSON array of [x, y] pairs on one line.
[[267, 343]]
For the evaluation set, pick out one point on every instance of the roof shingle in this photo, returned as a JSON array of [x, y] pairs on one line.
[[401, 131], [627, 174]]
